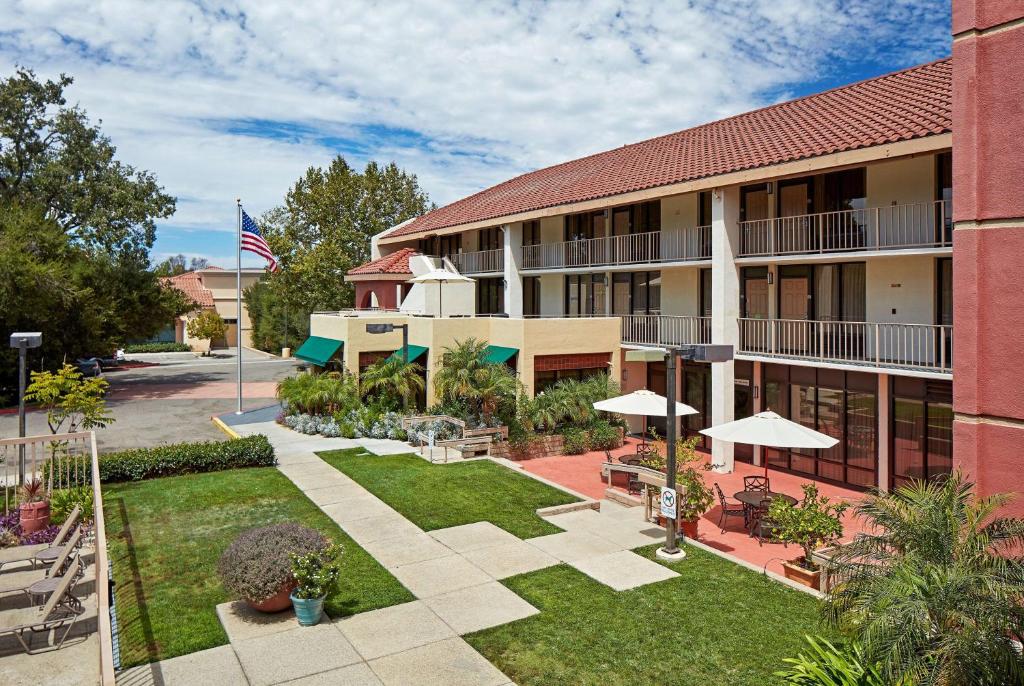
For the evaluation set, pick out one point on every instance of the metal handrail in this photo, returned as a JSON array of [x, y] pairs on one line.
[[913, 225], [687, 244], [926, 347], [661, 329]]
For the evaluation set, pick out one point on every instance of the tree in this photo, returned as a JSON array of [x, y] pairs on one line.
[[179, 264], [392, 380], [76, 226], [321, 232], [207, 326], [932, 589], [68, 397], [485, 388]]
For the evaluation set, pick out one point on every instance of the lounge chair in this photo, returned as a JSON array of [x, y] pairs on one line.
[[41, 585], [31, 553], [60, 611]]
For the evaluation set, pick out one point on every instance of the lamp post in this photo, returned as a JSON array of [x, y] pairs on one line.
[[23, 341], [388, 328], [692, 353]]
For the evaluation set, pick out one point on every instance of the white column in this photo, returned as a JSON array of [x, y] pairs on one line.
[[884, 405], [725, 306], [513, 234]]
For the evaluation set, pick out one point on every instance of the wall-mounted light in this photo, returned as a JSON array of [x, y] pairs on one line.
[[769, 187], [771, 277]]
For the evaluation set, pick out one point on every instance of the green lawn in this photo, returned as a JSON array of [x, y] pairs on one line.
[[166, 535], [717, 623], [440, 496]]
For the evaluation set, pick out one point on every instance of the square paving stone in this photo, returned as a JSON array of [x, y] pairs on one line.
[[329, 494], [241, 622], [214, 667], [623, 570], [355, 507], [353, 675], [468, 537], [380, 526], [292, 654], [480, 607], [393, 629], [510, 559], [574, 545], [577, 520], [631, 535], [405, 549], [434, 577], [452, 662]]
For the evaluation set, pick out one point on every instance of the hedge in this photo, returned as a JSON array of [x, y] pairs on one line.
[[175, 459], [157, 348]]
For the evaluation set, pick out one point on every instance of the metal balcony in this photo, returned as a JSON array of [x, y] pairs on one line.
[[639, 248]]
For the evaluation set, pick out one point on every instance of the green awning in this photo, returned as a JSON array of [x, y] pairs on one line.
[[415, 352], [318, 350], [498, 354]]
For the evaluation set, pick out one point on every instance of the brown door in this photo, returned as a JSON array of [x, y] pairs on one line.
[[755, 298], [793, 335], [795, 234]]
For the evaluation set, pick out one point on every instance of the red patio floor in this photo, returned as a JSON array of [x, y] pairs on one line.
[[582, 473]]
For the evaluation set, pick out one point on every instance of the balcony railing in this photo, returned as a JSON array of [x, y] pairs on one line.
[[480, 262], [67, 461], [918, 225], [639, 248], [924, 347], [662, 330]]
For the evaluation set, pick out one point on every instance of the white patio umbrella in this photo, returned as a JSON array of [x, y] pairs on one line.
[[769, 429], [642, 403], [440, 277]]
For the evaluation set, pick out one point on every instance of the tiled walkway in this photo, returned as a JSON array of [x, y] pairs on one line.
[[454, 573]]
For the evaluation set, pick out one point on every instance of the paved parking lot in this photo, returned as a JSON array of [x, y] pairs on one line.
[[174, 400]]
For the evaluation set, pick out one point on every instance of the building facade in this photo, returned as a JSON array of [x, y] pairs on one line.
[[815, 237], [214, 289]]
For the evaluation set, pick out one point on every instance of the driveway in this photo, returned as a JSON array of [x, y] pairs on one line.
[[173, 400]]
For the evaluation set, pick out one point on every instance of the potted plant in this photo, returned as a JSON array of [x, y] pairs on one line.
[[812, 523], [257, 566], [316, 574], [34, 510], [696, 497]]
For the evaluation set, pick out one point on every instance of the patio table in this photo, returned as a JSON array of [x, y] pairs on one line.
[[754, 498]]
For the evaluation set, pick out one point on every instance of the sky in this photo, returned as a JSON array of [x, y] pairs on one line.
[[226, 99]]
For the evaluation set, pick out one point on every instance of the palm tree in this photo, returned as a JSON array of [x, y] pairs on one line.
[[933, 591], [392, 378], [459, 369], [492, 385]]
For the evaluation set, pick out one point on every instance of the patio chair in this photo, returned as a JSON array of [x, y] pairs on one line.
[[729, 509], [761, 524], [756, 483], [60, 612], [31, 553], [46, 583]]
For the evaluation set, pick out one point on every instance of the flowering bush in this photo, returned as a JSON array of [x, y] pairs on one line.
[[258, 564], [10, 532], [317, 573]]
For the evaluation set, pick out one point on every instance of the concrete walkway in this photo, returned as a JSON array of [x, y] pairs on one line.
[[454, 573]]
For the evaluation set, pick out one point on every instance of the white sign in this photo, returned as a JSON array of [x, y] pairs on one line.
[[668, 502]]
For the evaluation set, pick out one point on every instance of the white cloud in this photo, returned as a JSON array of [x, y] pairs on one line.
[[478, 92]]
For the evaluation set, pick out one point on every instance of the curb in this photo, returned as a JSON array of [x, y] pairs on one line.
[[224, 427]]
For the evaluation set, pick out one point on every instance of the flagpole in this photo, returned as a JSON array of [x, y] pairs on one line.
[[238, 311]]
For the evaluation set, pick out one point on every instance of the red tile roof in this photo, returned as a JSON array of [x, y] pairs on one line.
[[395, 263], [908, 104], [191, 285]]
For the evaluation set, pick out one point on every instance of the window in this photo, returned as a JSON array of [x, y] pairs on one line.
[[490, 296], [585, 295], [645, 292], [845, 190], [531, 296], [704, 209], [491, 239], [705, 292], [839, 292], [531, 232], [944, 306], [922, 429], [449, 245], [584, 226], [944, 192], [646, 217]]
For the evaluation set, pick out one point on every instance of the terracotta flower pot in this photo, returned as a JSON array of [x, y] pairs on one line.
[[689, 528], [279, 601], [34, 517], [803, 576]]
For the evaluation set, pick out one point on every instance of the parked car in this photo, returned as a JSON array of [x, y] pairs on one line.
[[90, 366]]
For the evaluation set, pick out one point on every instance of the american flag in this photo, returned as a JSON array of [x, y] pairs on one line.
[[253, 241]]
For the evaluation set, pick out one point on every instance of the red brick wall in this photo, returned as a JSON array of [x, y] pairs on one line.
[[551, 363]]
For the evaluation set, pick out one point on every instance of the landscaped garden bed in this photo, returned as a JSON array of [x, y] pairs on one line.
[[439, 496], [166, 536]]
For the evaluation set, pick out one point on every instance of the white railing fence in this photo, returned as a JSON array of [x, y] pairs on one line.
[[64, 462], [479, 262], [640, 248], [916, 225], [660, 330], [913, 346]]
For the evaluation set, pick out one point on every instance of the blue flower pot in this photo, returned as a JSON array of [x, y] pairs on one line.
[[307, 610]]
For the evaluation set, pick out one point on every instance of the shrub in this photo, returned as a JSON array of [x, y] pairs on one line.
[[825, 664], [170, 460], [317, 573], [576, 441], [319, 394], [258, 564], [604, 436], [157, 348], [63, 500], [815, 522]]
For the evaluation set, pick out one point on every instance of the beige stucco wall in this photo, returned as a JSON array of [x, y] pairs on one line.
[[901, 182], [906, 283], [222, 285], [552, 300], [680, 291]]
